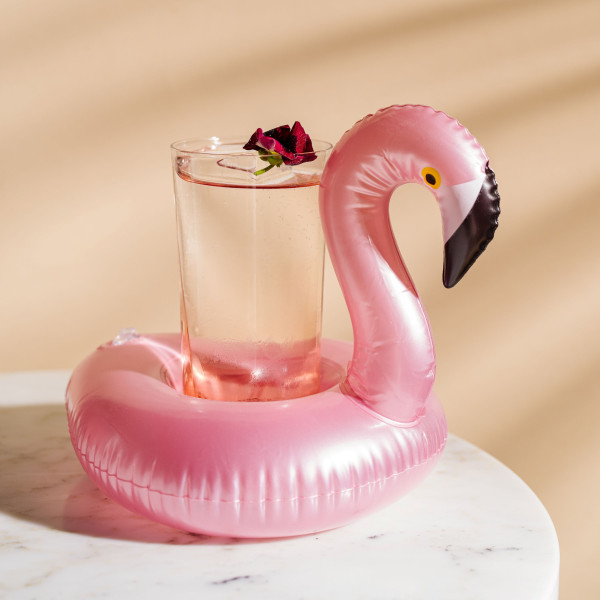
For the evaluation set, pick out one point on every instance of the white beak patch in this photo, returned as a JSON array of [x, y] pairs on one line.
[[456, 201]]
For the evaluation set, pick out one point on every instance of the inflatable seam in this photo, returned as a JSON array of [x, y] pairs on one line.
[[108, 476]]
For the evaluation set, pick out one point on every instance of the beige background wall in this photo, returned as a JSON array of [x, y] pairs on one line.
[[92, 93]]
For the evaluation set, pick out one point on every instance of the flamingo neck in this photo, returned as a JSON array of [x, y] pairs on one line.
[[393, 365]]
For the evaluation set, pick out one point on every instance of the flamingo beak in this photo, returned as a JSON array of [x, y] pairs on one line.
[[474, 233]]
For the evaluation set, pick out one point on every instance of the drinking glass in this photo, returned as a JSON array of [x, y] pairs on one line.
[[251, 254]]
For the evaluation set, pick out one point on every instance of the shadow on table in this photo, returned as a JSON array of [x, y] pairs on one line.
[[41, 481]]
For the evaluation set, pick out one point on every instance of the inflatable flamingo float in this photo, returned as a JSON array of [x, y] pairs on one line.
[[271, 469]]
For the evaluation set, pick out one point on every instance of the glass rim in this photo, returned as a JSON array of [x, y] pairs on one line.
[[193, 146]]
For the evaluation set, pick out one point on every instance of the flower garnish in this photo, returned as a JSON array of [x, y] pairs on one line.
[[282, 146]]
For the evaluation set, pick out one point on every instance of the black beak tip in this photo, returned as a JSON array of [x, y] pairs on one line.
[[474, 234], [449, 282]]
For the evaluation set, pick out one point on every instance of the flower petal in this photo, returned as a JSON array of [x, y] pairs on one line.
[[252, 143], [281, 134], [303, 147], [293, 145]]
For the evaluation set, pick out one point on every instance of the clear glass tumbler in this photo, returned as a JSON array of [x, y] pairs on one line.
[[251, 254]]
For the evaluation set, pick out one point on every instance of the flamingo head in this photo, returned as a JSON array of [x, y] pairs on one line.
[[455, 167]]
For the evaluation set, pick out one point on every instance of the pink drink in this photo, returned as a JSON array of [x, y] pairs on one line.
[[251, 255]]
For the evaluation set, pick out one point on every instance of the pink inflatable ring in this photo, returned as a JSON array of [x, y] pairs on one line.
[[375, 429], [245, 469]]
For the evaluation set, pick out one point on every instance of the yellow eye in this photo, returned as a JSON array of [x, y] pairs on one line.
[[431, 177]]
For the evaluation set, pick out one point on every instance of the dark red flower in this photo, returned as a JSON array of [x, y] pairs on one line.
[[282, 145]]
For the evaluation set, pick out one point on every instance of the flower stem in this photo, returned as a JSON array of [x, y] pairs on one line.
[[261, 171]]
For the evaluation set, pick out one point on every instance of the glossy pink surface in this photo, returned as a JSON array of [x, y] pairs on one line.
[[393, 366], [246, 469]]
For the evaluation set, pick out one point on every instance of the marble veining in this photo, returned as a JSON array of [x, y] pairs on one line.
[[473, 530]]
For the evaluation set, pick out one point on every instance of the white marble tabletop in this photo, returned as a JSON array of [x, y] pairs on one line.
[[473, 530]]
